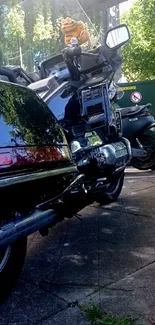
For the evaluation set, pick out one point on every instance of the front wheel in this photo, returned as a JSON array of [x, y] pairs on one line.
[[11, 263], [113, 191]]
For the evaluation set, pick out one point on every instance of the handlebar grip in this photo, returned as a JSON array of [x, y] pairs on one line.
[[71, 52]]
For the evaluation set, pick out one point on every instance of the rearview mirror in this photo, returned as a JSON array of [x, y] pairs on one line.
[[117, 36]]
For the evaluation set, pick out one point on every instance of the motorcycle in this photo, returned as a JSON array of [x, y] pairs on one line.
[[41, 180], [139, 128], [78, 97]]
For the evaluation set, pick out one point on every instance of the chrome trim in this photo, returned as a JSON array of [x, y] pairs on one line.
[[127, 142], [34, 176], [24, 226]]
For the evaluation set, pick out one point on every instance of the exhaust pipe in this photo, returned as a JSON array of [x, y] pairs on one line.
[[22, 227], [36, 220]]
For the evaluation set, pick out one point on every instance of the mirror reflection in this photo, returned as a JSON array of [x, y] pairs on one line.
[[117, 37]]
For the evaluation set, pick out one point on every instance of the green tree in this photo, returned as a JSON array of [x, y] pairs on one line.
[[16, 21], [45, 35], [139, 54], [43, 30], [14, 32], [34, 27]]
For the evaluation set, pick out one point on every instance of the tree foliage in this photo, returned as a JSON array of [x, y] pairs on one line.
[[33, 26], [43, 30], [30, 27], [15, 22], [139, 54]]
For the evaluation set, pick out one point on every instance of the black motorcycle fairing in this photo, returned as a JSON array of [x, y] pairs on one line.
[[58, 100], [135, 125], [151, 126], [108, 60], [68, 109], [47, 65], [149, 133]]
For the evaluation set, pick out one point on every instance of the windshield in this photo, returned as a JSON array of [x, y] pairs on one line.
[[32, 30]]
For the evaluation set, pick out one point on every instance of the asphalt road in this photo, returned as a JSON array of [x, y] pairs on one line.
[[107, 258]]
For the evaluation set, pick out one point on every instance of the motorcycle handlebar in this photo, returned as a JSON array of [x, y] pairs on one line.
[[70, 53], [76, 51]]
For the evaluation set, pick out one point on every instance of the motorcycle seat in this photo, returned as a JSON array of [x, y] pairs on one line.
[[133, 110]]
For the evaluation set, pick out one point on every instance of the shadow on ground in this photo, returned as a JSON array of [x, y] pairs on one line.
[[107, 257]]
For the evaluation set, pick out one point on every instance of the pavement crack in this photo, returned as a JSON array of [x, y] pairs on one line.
[[52, 315], [119, 289], [60, 255], [81, 285], [125, 212], [56, 296], [128, 275], [70, 305], [101, 288], [98, 289], [44, 289]]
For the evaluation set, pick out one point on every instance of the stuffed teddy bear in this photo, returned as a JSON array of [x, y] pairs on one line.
[[72, 28]]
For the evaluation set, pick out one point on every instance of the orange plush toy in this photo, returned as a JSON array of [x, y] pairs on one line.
[[72, 28]]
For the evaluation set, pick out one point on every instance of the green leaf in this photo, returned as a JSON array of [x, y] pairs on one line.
[[139, 54]]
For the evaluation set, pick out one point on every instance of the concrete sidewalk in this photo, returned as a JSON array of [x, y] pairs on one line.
[[107, 258]]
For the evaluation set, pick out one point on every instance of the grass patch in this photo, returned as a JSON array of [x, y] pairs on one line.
[[97, 317]]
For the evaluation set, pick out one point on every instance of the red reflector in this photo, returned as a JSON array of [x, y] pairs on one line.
[[5, 159], [147, 114]]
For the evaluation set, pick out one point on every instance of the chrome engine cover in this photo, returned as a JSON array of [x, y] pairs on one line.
[[116, 154]]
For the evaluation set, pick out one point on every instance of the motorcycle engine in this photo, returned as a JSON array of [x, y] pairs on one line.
[[99, 159]]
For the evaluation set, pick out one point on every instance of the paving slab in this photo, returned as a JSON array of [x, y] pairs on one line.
[[133, 295], [66, 317], [106, 257], [30, 305]]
